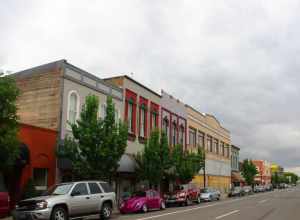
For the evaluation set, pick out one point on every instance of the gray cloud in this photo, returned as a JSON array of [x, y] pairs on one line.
[[236, 60]]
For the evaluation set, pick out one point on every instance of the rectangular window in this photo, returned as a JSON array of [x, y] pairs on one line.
[[209, 143], [94, 188], [192, 137], [40, 178], [142, 122], [201, 136], [130, 117]]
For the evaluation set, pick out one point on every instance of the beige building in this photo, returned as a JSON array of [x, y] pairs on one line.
[[205, 130]]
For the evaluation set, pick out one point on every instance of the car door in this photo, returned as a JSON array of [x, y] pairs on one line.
[[95, 196], [80, 202]]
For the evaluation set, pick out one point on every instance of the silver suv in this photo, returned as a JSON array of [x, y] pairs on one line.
[[69, 200]]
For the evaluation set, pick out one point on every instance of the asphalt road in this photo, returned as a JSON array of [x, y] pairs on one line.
[[276, 205]]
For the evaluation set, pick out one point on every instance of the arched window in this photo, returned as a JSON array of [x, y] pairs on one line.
[[73, 107], [174, 133], [166, 126]]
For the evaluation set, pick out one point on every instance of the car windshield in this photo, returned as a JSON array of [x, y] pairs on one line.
[[205, 190], [60, 189], [139, 194]]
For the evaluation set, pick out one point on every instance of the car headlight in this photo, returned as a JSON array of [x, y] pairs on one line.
[[41, 205], [182, 195]]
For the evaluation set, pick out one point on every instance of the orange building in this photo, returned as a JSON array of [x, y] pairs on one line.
[[37, 160]]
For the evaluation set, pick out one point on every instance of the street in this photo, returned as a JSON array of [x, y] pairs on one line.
[[276, 205]]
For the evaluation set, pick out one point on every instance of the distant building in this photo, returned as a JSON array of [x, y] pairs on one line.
[[264, 172], [205, 131], [236, 178]]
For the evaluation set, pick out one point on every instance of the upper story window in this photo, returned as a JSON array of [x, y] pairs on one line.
[[201, 139], [209, 143], [103, 111], [166, 127], [174, 133], [192, 137], [154, 115], [130, 111], [142, 121], [181, 134], [130, 117], [73, 107]]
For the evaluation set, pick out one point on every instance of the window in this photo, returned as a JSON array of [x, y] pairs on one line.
[[209, 143], [192, 137], [181, 135], [40, 178], [130, 117], [103, 111], [106, 187], [174, 134], [222, 148], [166, 127], [73, 107], [81, 189], [201, 136], [94, 188], [142, 121], [154, 119]]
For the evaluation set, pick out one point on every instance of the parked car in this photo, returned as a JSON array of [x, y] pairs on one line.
[[69, 200], [210, 194], [268, 187], [143, 201], [247, 190], [236, 191], [184, 195], [4, 201], [259, 188]]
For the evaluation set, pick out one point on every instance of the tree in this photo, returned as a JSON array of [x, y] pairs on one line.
[[249, 171], [9, 144], [97, 144], [187, 164], [154, 161]]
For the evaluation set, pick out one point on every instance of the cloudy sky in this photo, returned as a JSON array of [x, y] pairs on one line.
[[238, 60]]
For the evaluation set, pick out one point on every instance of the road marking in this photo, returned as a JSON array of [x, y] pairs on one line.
[[229, 213], [202, 207], [262, 201]]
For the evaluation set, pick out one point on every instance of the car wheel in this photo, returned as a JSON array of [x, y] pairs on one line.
[[198, 200], [162, 205], [59, 213], [144, 208], [106, 211]]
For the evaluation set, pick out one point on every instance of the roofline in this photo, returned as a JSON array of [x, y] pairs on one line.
[[207, 114], [61, 63], [133, 80], [234, 146]]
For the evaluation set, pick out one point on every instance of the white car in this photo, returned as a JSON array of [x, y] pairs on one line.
[[210, 194]]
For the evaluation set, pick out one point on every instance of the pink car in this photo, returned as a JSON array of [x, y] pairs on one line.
[[142, 201]]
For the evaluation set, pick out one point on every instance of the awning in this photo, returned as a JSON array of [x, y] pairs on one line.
[[127, 164], [24, 156], [236, 177]]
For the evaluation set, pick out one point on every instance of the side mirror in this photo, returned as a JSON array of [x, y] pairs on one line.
[[75, 193]]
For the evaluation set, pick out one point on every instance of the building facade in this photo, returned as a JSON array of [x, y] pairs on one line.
[[141, 107], [205, 131], [173, 120], [264, 172], [236, 178], [52, 95]]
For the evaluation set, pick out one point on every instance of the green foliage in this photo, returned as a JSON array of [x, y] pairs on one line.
[[29, 190], [249, 171], [154, 160], [187, 164], [9, 145], [97, 144]]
